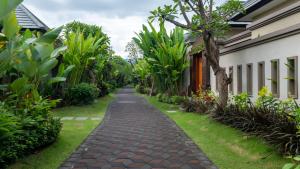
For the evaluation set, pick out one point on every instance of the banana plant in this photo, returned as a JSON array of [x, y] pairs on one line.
[[165, 53], [31, 56], [81, 53]]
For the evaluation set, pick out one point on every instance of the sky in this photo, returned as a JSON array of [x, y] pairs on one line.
[[120, 19]]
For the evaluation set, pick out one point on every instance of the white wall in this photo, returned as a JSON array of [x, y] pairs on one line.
[[279, 49]]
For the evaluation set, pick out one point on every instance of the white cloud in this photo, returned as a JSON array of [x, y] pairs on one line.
[[120, 29]]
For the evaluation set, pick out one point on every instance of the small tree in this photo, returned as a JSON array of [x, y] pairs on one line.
[[134, 52], [202, 17]]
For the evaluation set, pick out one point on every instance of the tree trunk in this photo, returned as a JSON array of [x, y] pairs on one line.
[[222, 86], [212, 54]]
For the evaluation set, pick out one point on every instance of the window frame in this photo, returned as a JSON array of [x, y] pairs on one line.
[[231, 74], [295, 94], [277, 93], [261, 75], [249, 78], [239, 79]]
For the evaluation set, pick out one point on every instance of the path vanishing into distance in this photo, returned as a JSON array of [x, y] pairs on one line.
[[135, 135]]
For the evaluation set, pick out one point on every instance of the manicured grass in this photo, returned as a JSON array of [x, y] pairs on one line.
[[227, 147], [72, 134]]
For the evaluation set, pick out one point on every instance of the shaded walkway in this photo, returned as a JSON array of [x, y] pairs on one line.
[[135, 135]]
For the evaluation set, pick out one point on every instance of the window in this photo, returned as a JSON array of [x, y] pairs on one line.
[[231, 77], [292, 77], [239, 79], [250, 79], [275, 77], [261, 75]]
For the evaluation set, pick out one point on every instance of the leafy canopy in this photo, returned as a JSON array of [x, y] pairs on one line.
[[199, 15]]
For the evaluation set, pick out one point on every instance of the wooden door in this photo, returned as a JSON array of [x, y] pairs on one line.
[[197, 73]]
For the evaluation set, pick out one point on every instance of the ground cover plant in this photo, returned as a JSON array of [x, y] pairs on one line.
[[274, 120]]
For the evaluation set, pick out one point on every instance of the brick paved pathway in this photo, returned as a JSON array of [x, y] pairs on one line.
[[135, 135]]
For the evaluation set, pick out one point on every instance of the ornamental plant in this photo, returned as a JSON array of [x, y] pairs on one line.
[[165, 55]]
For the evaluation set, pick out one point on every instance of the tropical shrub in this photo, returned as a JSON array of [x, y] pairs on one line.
[[177, 100], [82, 94], [26, 130], [26, 60], [165, 55], [201, 102], [142, 89], [241, 100], [141, 72], [83, 53], [269, 118], [121, 71], [104, 88]]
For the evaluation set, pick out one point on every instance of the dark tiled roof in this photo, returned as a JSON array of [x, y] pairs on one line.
[[28, 20]]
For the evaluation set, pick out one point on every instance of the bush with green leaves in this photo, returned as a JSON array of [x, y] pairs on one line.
[[177, 100], [26, 60], [142, 89], [274, 120], [242, 100], [104, 88], [201, 102], [82, 94], [25, 130]]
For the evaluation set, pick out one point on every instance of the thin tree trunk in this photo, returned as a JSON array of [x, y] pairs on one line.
[[222, 86], [212, 54]]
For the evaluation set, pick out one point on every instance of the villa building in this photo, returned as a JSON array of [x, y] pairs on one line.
[[263, 53]]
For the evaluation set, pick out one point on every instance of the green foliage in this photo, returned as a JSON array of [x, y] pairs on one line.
[[141, 72], [83, 53], [242, 100], [121, 71], [227, 147], [201, 102], [31, 58], [7, 6], [27, 59], [82, 94], [26, 130], [200, 16], [277, 121], [267, 100], [86, 29], [165, 55], [294, 165], [177, 100], [142, 89]]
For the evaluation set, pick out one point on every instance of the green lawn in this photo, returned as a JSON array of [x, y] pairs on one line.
[[72, 134], [228, 148]]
